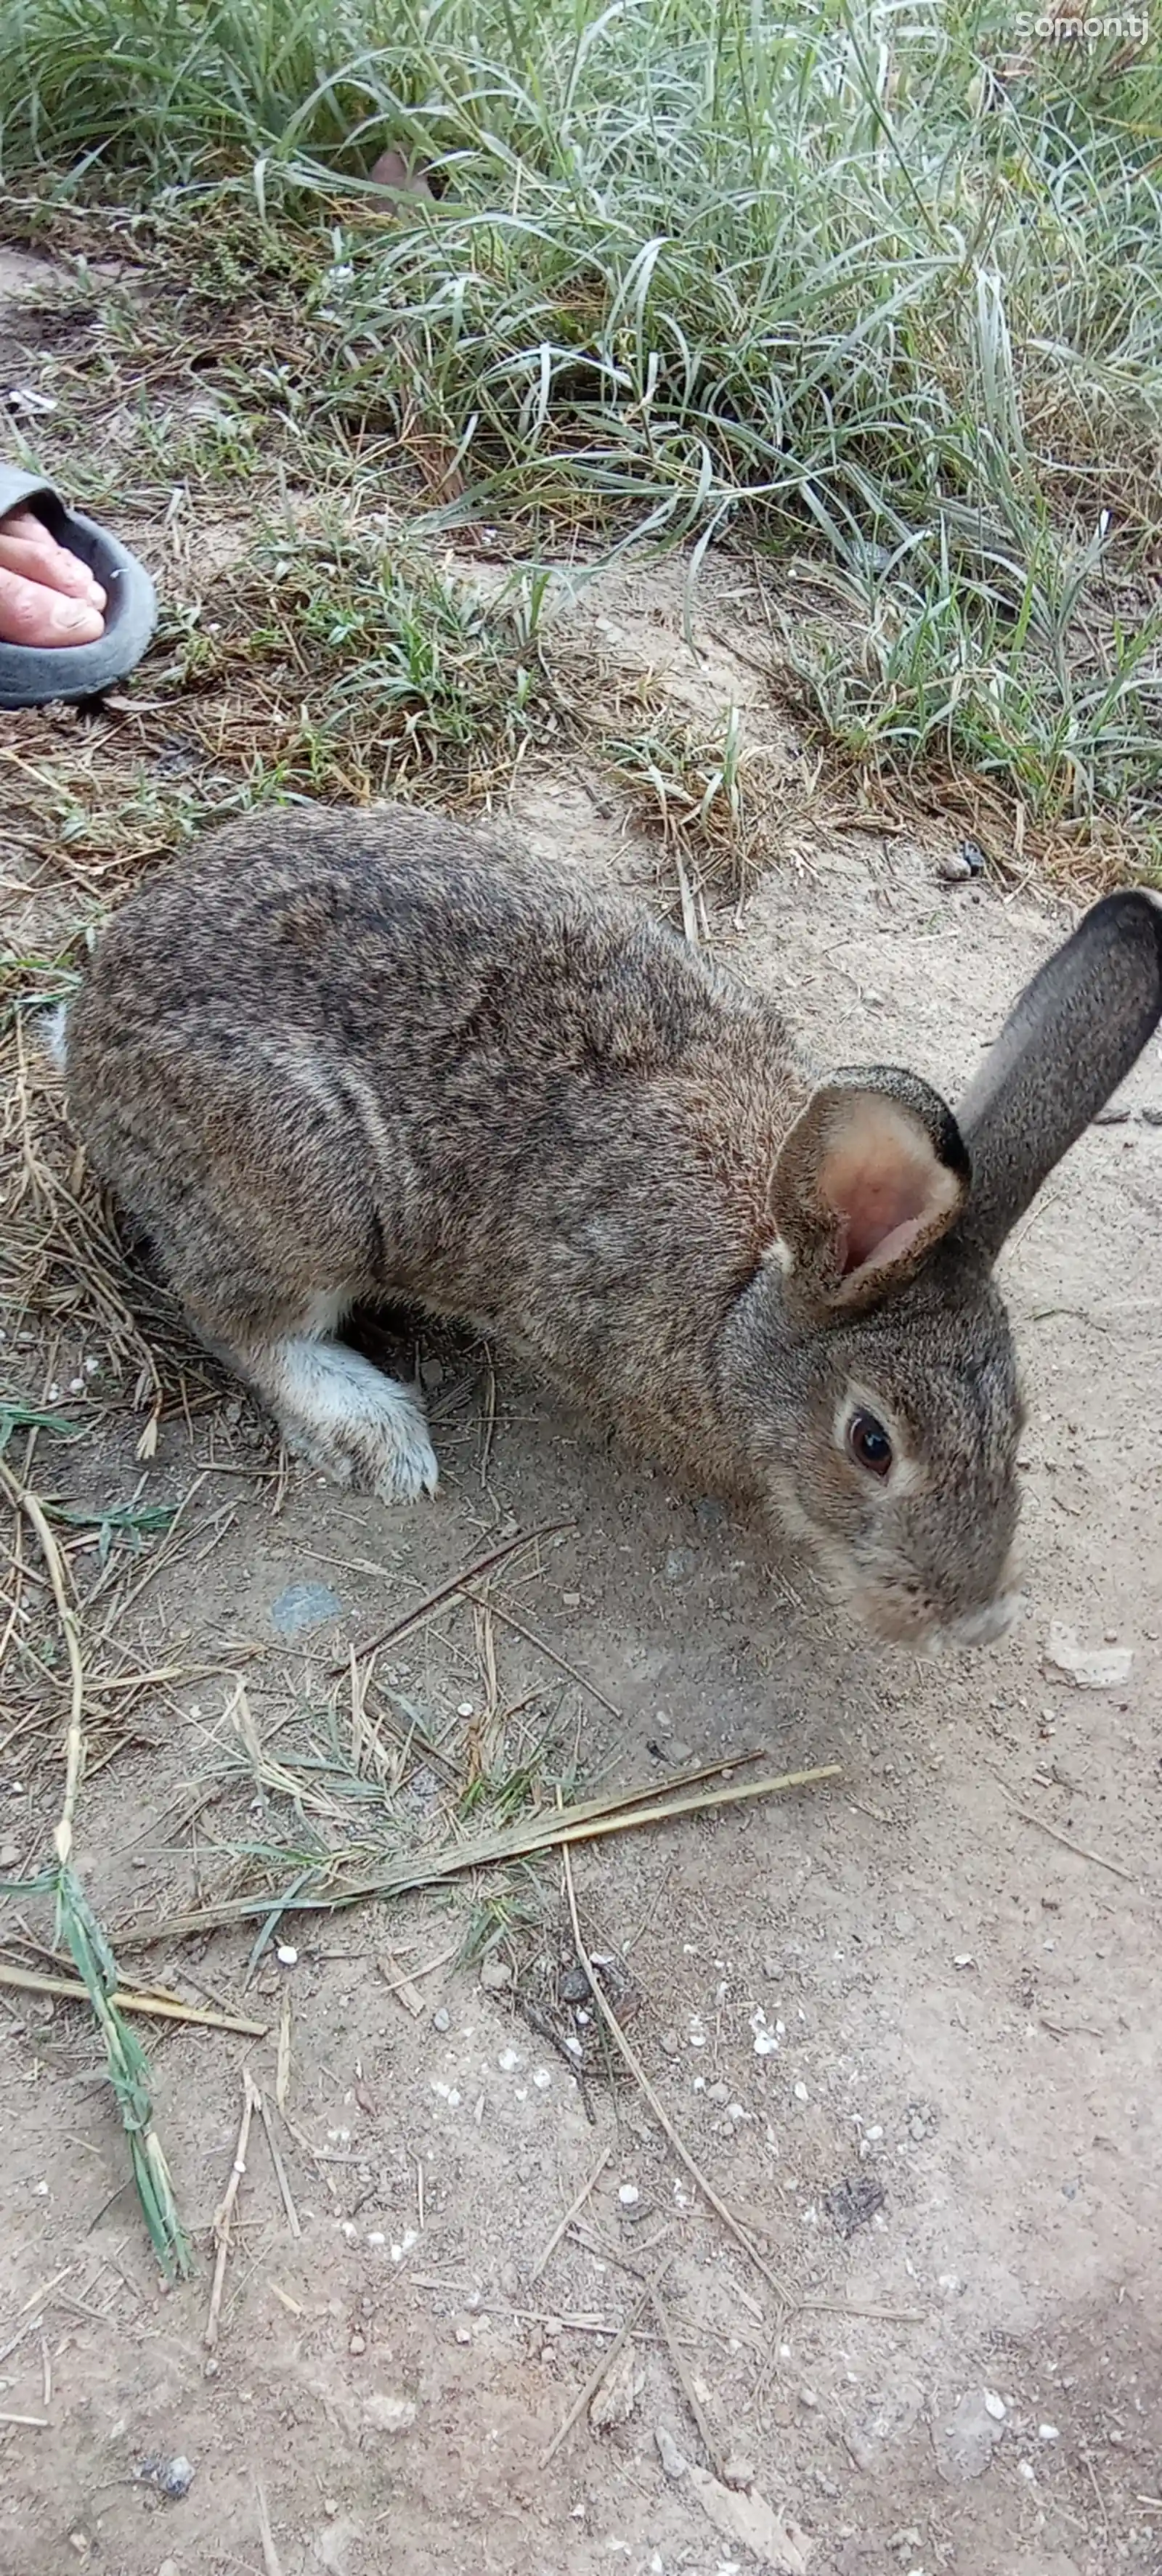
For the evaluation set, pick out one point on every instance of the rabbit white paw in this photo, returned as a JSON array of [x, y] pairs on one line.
[[360, 1427]]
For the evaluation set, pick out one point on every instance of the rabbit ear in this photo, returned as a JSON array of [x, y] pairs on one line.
[[1070, 1039], [871, 1175]]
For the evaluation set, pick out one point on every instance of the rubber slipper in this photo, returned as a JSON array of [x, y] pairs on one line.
[[35, 675]]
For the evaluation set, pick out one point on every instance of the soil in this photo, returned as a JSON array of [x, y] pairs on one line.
[[908, 2025]]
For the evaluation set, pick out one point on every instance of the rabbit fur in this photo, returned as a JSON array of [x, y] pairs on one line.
[[331, 1057]]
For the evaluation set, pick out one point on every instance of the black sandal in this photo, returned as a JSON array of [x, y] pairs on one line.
[[36, 675]]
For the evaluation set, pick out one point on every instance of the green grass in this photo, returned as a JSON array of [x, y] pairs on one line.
[[832, 276]]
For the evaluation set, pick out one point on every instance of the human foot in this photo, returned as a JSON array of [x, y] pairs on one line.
[[47, 595]]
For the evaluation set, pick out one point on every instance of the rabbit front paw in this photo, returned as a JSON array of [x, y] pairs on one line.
[[360, 1427]]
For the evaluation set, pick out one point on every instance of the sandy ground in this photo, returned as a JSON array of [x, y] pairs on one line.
[[908, 2026]]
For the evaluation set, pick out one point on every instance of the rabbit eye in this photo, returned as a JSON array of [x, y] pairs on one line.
[[869, 1444]]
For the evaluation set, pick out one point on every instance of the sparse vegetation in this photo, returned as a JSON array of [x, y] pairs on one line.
[[806, 273]]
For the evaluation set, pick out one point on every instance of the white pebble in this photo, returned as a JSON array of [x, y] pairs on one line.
[[465, 1708], [509, 2060], [542, 2079], [287, 1958], [1048, 2433], [801, 2094], [994, 2405], [629, 2195]]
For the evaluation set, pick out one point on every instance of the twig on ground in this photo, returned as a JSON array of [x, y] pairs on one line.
[[1082, 1850], [270, 2557], [280, 2172], [224, 2214], [783, 2293], [622, 1811], [162, 2007], [574, 2211], [605, 2362], [689, 2391], [455, 1583]]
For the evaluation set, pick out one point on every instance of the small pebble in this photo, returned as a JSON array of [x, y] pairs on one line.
[[629, 2195], [9, 1855], [718, 2092], [172, 2478], [358, 2342], [570, 1600], [678, 1752], [801, 2094], [287, 1958], [441, 2019], [1048, 2433], [670, 2042], [303, 1606], [995, 2405], [954, 868], [465, 1708]]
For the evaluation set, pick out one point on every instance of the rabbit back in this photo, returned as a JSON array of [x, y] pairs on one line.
[[342, 1057]]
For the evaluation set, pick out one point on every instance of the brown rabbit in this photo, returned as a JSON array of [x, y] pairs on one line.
[[331, 1057]]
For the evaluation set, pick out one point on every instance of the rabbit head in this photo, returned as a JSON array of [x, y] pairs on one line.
[[878, 1325]]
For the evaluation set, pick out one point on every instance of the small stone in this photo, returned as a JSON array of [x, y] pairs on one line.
[[965, 2445], [614, 2400], [954, 868], [495, 1976], [9, 1855], [387, 2411], [358, 2342], [738, 2470], [674, 2461], [801, 2093], [678, 1752], [719, 2092], [465, 1708], [629, 2195], [172, 2478], [808, 2397], [570, 1600], [286, 1956], [303, 1606], [995, 2405], [1048, 2433], [670, 2042], [441, 2018]]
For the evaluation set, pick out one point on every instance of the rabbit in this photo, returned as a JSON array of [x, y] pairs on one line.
[[335, 1056]]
